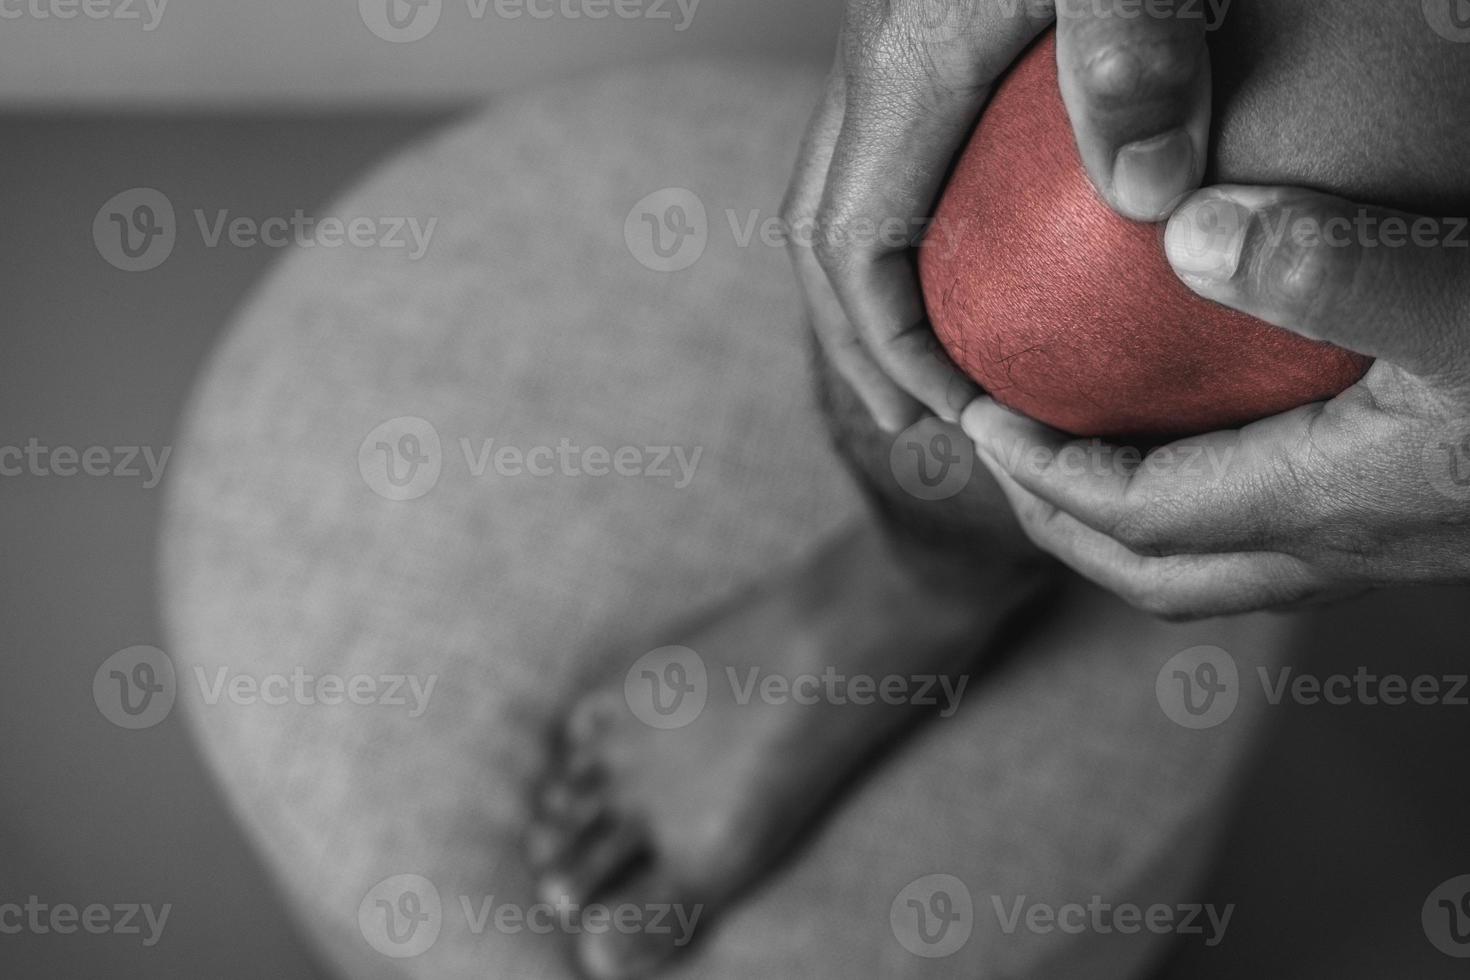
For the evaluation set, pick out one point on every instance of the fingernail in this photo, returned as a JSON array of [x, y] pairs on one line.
[[974, 421], [1150, 176], [1206, 238], [893, 421]]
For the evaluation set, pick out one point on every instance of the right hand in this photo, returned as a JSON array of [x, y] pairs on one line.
[[908, 83]]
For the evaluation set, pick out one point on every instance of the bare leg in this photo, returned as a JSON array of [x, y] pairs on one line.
[[696, 815], [639, 815]]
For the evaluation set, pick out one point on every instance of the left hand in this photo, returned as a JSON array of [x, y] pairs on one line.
[[1369, 489]]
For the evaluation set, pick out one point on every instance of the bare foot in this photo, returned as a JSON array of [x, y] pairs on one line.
[[805, 677]]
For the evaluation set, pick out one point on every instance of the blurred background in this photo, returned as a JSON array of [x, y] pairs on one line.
[[271, 106], [258, 108]]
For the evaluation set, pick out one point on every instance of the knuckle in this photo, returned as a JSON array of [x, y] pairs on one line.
[[1144, 597], [1300, 273], [1142, 535], [1182, 614], [829, 240], [1350, 544], [792, 208], [1163, 604], [1035, 519], [1123, 72]]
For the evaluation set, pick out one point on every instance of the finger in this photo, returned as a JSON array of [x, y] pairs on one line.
[[891, 407], [1178, 587], [914, 88], [1380, 282], [1260, 488], [1138, 92]]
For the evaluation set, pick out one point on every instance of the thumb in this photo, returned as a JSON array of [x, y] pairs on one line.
[[1383, 283]]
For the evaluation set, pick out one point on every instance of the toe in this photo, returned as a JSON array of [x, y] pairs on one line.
[[650, 926], [592, 716], [562, 815], [569, 787], [605, 850]]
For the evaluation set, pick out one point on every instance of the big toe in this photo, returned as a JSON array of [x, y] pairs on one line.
[[604, 851], [648, 924]]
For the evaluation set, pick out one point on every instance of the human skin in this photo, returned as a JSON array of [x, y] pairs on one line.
[[1376, 115], [1070, 313], [1363, 491], [907, 84], [625, 814]]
